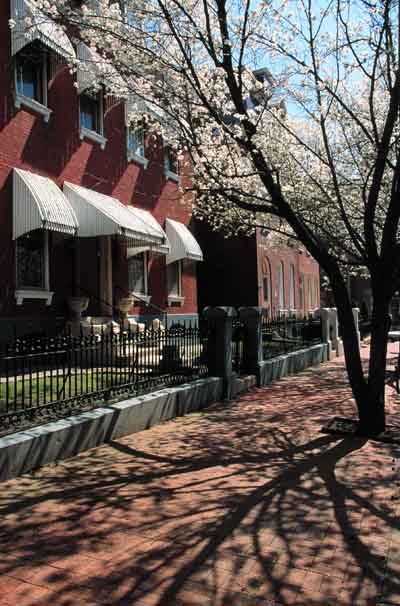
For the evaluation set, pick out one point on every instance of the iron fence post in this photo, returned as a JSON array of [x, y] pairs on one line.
[[219, 346], [252, 345]]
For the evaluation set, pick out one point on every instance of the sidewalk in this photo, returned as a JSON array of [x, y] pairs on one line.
[[246, 504]]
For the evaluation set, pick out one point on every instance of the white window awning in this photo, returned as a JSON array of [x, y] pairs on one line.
[[183, 243], [39, 204], [102, 215], [150, 226], [41, 27], [93, 71]]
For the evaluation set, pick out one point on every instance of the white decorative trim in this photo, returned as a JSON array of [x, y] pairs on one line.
[[176, 299], [171, 176], [141, 297], [43, 295], [34, 105], [86, 133], [132, 157]]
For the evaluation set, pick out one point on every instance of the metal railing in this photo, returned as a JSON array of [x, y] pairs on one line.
[[42, 377], [283, 334]]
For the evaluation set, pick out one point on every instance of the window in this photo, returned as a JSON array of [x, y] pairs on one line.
[[291, 287], [135, 143], [174, 283], [91, 117], [137, 274], [266, 270], [281, 283], [266, 289], [89, 112], [31, 73], [301, 292], [171, 164], [174, 279], [32, 260]]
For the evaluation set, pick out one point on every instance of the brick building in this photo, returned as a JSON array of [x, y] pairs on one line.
[[89, 206], [250, 271]]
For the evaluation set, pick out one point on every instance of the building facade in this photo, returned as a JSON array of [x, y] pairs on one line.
[[90, 207], [250, 271]]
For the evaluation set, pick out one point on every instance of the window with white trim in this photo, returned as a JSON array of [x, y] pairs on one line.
[[31, 78], [90, 112], [171, 164], [281, 285], [291, 287], [135, 145], [32, 261], [174, 279], [137, 274], [91, 116]]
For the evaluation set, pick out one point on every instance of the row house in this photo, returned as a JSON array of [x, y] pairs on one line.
[[252, 271], [91, 209]]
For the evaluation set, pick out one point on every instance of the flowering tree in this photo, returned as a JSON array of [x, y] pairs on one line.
[[307, 148]]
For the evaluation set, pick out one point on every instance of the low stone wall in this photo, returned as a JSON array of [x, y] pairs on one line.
[[291, 363], [25, 451]]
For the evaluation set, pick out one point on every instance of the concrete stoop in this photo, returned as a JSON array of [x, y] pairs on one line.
[[28, 450]]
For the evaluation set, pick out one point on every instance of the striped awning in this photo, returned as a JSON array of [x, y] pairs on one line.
[[39, 204], [183, 243], [93, 71], [151, 227], [101, 215], [40, 28]]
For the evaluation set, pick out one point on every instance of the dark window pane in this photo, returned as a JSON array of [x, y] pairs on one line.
[[171, 161], [29, 69], [136, 141], [266, 288], [136, 273], [30, 260], [89, 112], [174, 278]]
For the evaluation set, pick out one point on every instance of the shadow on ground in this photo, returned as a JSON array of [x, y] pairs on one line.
[[243, 504]]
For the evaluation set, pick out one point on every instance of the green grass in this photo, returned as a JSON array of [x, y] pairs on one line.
[[45, 390]]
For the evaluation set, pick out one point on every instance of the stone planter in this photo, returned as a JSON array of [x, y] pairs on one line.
[[78, 304]]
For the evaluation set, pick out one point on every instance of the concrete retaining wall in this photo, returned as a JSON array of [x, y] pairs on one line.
[[27, 450], [291, 363]]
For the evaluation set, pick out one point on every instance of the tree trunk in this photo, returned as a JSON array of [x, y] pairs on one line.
[[374, 418], [369, 395]]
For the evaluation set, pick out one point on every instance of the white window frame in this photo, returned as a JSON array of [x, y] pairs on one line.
[[23, 101], [292, 289], [131, 155], [142, 296], [44, 294], [176, 298], [281, 286], [87, 133], [171, 175]]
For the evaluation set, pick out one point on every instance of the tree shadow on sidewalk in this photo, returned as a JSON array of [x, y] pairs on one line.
[[235, 518]]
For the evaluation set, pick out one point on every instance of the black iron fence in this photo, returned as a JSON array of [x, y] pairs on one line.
[[283, 334], [48, 377]]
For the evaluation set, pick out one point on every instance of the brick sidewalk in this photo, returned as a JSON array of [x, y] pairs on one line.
[[245, 504]]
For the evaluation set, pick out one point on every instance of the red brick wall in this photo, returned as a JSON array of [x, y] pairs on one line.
[[55, 150], [305, 267]]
